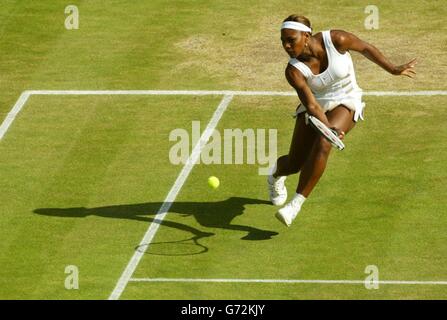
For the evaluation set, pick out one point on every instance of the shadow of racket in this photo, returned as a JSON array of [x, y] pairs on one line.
[[186, 247]]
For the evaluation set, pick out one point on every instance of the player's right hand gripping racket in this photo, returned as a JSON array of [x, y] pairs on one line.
[[330, 134]]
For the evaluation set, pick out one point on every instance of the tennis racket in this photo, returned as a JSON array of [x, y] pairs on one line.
[[330, 134]]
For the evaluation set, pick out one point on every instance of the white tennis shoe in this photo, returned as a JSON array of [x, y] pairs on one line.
[[288, 213], [277, 190]]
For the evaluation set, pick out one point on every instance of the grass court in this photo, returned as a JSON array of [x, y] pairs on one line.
[[83, 176]]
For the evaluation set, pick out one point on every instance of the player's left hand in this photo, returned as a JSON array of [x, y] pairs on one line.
[[406, 69], [340, 133]]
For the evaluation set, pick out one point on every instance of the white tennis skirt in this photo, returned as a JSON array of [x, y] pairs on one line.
[[353, 102]]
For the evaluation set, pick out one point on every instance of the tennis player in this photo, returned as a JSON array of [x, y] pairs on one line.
[[320, 69]]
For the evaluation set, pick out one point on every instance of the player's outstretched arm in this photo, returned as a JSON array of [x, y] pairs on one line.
[[345, 41]]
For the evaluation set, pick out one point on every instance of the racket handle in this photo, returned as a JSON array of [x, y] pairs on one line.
[[334, 132]]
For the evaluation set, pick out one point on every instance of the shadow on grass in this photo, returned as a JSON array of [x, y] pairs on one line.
[[217, 215]]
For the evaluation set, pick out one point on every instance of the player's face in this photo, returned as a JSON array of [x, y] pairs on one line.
[[293, 42]]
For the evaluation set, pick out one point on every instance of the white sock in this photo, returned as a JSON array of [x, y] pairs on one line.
[[299, 198], [272, 170]]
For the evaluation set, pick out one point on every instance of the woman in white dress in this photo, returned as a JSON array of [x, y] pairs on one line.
[[320, 69]]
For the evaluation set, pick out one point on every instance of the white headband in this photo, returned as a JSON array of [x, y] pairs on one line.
[[296, 26]]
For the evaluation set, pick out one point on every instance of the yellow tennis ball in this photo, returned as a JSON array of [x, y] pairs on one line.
[[213, 182]]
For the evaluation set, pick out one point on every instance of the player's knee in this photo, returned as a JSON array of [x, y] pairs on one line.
[[323, 147]]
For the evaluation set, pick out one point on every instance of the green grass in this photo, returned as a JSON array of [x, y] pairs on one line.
[[83, 176]]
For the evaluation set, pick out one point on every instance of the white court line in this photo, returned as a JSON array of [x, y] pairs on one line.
[[13, 113], [286, 281], [223, 92], [406, 93], [26, 94], [150, 233]]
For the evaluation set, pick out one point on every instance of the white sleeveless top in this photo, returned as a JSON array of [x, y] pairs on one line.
[[337, 84]]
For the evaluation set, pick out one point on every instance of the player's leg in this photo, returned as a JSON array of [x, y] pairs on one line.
[[340, 117], [300, 147], [313, 168], [302, 140]]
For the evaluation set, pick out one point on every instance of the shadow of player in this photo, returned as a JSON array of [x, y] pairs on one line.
[[219, 214]]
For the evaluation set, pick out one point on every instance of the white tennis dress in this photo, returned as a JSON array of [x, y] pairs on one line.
[[337, 84]]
